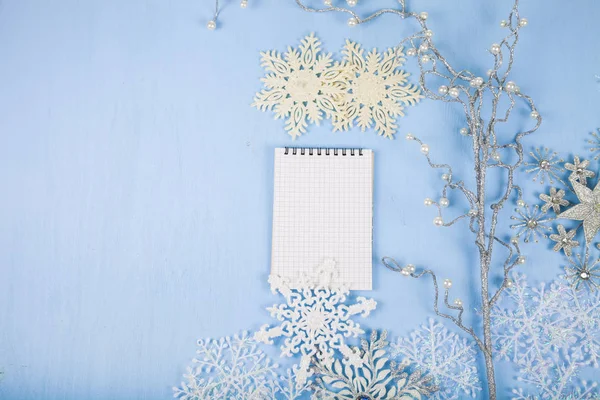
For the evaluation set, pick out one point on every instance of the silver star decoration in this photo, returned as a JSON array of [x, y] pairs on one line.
[[564, 240], [578, 170], [588, 209], [554, 200]]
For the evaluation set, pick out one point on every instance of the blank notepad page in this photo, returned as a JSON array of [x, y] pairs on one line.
[[323, 210]]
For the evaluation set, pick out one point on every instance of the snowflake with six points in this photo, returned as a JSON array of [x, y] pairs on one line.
[[583, 272], [378, 90], [554, 200], [545, 165], [302, 86], [564, 240], [578, 170], [596, 143], [530, 223], [315, 318]]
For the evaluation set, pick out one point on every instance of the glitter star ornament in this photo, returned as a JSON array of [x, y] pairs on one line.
[[588, 209], [564, 240], [554, 200], [579, 170], [315, 318], [303, 85], [378, 90]]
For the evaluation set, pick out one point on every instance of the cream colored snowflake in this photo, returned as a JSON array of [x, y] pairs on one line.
[[378, 90], [303, 85]]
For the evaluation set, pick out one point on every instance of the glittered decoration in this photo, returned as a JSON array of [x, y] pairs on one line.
[[375, 376], [545, 165], [315, 317], [595, 142], [583, 272], [235, 368], [303, 85], [588, 209], [564, 240], [579, 170], [552, 335], [554, 200], [447, 358], [378, 90], [530, 223]]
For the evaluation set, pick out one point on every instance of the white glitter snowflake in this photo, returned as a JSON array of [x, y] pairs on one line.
[[376, 376], [303, 85], [544, 165], [530, 223], [551, 333], [235, 368], [379, 90], [595, 142], [449, 359], [315, 317]]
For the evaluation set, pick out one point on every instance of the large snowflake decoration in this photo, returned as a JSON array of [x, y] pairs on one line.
[[588, 209], [374, 377], [235, 368], [378, 90], [315, 317], [442, 354], [303, 85], [551, 333]]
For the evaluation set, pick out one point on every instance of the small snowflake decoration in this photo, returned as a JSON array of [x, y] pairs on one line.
[[595, 142], [554, 200], [583, 272], [564, 240], [302, 86], [315, 318], [530, 223], [378, 90], [442, 354], [544, 165], [579, 171]]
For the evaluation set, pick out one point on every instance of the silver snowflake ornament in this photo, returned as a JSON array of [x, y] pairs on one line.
[[544, 165], [579, 171], [554, 200], [595, 142], [564, 240], [582, 272], [588, 209], [530, 223]]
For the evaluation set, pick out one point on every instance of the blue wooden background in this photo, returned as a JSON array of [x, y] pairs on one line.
[[136, 179]]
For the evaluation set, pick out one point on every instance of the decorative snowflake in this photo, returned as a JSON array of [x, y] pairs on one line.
[[588, 209], [554, 200], [314, 318], [544, 165], [378, 90], [234, 368], [449, 359], [551, 333], [302, 86], [582, 272], [564, 240], [375, 377], [595, 142], [530, 223], [579, 171]]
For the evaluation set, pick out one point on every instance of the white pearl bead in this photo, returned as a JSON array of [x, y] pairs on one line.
[[444, 202], [438, 221], [464, 131], [423, 15], [490, 72], [476, 82], [447, 283], [327, 3], [351, 3], [495, 48], [410, 136], [423, 47], [523, 22], [425, 59], [535, 114], [509, 283], [211, 25], [411, 52], [521, 203], [495, 156], [503, 23], [425, 148], [429, 33], [411, 268], [352, 22], [443, 90], [510, 86], [244, 3], [428, 201], [446, 177], [472, 212], [404, 271], [458, 302], [454, 92], [521, 260]]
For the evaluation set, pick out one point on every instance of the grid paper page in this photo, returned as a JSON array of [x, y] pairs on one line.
[[323, 209]]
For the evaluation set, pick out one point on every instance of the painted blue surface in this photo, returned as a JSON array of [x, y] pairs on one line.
[[137, 180]]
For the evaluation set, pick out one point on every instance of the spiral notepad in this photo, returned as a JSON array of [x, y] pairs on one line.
[[323, 209]]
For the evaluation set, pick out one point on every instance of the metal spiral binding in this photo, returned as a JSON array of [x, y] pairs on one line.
[[321, 151]]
